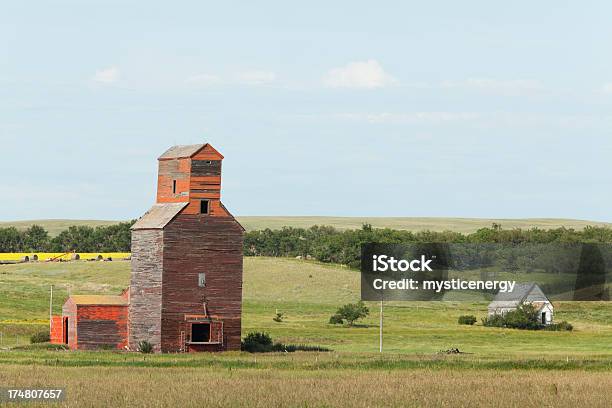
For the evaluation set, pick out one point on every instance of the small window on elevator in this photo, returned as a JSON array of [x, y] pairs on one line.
[[204, 207]]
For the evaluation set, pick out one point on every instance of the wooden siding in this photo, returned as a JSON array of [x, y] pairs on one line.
[[146, 288], [197, 178], [208, 184], [196, 244], [101, 325], [57, 330], [207, 153], [69, 310], [205, 183], [170, 170], [202, 168], [215, 208]]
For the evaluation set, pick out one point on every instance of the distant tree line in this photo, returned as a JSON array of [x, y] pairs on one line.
[[327, 244], [111, 238], [321, 243]]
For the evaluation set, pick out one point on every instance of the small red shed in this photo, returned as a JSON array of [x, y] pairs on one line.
[[90, 322]]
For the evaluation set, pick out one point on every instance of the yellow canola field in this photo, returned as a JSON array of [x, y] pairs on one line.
[[43, 256]]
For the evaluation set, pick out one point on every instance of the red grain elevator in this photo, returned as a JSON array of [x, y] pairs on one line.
[[185, 289], [186, 280]]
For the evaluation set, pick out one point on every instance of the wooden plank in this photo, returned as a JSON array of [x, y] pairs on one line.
[[203, 168], [102, 325], [146, 288], [208, 153], [196, 244]]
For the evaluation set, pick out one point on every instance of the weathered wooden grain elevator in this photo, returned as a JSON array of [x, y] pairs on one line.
[[185, 289], [186, 283]]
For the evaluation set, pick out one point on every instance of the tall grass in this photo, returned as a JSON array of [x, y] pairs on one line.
[[238, 387]]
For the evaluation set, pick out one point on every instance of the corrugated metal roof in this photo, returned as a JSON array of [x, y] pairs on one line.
[[158, 216], [99, 300], [181, 151]]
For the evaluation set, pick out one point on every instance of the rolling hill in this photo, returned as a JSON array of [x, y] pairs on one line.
[[463, 225]]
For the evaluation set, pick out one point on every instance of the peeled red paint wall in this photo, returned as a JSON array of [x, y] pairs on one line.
[[102, 326], [57, 330]]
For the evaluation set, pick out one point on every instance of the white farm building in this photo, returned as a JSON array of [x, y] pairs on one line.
[[523, 293]]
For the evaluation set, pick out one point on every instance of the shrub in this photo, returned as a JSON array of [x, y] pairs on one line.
[[350, 312], [336, 319], [145, 347], [257, 342], [496, 320], [561, 326], [467, 319], [524, 317], [40, 337]]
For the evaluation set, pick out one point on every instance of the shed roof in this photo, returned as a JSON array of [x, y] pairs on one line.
[[159, 216], [520, 292], [528, 291], [181, 151], [99, 300]]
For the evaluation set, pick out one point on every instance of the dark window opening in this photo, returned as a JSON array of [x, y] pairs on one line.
[[544, 318], [204, 207], [200, 332], [173, 186]]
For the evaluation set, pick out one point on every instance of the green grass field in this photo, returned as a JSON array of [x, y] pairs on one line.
[[308, 293], [556, 368], [463, 225]]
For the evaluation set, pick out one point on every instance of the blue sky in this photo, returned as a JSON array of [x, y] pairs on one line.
[[463, 109]]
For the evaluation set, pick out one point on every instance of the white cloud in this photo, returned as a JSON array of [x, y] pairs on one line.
[[107, 75], [255, 77], [361, 74], [607, 88], [203, 80], [501, 86]]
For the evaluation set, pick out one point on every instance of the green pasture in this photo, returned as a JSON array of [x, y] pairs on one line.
[[307, 293]]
